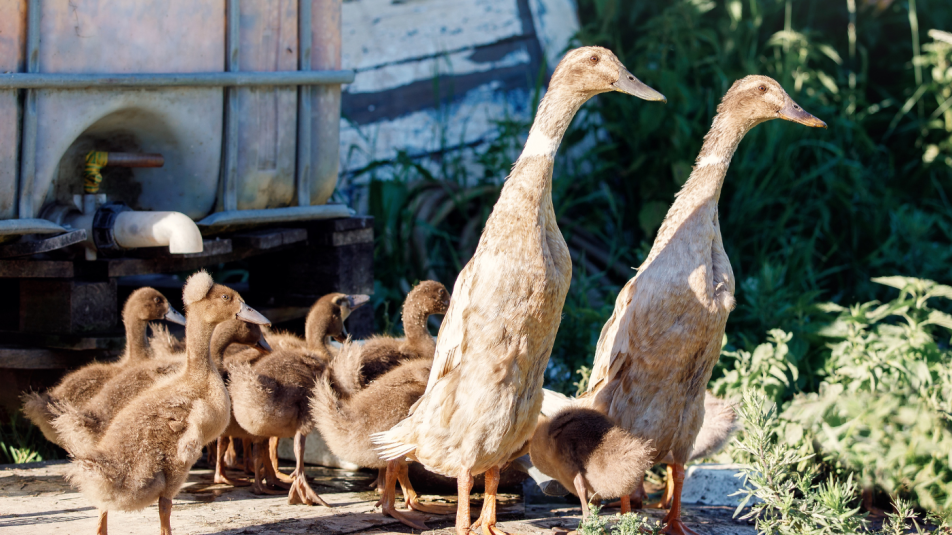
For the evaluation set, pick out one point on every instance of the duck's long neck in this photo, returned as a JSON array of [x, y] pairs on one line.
[[198, 336], [222, 337], [533, 169], [414, 323], [316, 333], [137, 341], [706, 180]]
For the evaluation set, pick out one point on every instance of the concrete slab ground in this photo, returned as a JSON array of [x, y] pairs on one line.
[[35, 499]]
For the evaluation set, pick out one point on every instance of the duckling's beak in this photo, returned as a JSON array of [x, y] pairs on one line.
[[627, 83], [356, 301], [263, 346], [246, 313], [793, 112], [174, 316]]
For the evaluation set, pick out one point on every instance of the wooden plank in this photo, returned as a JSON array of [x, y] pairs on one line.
[[269, 238], [213, 247], [32, 247], [28, 358], [67, 306], [110, 342], [403, 31], [36, 269]]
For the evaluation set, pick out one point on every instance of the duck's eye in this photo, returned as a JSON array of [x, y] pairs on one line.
[[157, 299], [763, 89], [594, 59], [225, 297]]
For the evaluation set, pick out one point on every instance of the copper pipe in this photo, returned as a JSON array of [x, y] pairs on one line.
[[131, 159]]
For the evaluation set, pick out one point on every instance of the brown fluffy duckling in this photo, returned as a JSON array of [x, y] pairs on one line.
[[146, 451], [381, 353], [483, 396], [588, 454], [656, 353], [134, 380], [270, 397], [78, 387], [347, 419]]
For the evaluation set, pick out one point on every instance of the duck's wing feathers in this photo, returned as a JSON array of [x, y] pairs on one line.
[[612, 341], [452, 332]]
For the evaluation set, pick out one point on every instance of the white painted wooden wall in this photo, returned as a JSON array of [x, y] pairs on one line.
[[479, 59]]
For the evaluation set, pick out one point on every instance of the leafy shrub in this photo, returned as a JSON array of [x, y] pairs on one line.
[[884, 409]]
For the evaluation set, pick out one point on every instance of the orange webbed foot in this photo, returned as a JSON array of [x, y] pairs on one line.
[[677, 527]]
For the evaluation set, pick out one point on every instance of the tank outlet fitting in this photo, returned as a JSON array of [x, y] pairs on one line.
[[155, 229]]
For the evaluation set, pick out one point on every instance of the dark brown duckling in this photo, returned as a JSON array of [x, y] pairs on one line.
[[381, 353], [78, 387], [270, 397], [588, 454], [146, 451]]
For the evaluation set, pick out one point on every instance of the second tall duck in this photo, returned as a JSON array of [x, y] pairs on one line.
[[484, 392], [656, 353]]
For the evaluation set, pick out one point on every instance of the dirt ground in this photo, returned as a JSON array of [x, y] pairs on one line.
[[35, 499]]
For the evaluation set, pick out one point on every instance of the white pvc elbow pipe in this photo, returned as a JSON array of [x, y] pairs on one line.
[[156, 229]]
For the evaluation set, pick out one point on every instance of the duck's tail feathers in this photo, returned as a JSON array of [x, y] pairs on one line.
[[163, 343], [554, 402], [36, 407], [346, 369], [328, 415], [720, 423], [78, 431], [389, 448]]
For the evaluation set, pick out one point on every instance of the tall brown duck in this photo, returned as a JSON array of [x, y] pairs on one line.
[[271, 395], [656, 352], [78, 387], [147, 449], [484, 392]]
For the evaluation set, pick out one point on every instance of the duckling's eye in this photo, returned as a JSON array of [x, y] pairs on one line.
[[763, 89], [594, 59], [225, 297], [158, 300]]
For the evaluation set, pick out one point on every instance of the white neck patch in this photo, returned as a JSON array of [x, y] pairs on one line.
[[540, 144], [710, 159]]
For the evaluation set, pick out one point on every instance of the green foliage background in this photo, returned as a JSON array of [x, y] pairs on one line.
[[810, 218], [808, 215]]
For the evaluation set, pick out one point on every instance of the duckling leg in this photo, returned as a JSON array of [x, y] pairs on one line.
[[388, 500], [378, 483], [464, 484], [636, 500], [411, 498], [220, 476], [101, 526], [273, 451], [248, 458], [231, 456], [673, 524], [261, 466], [301, 492], [582, 490], [165, 515]]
